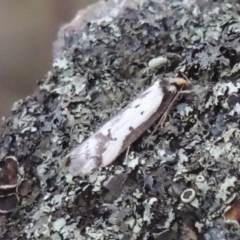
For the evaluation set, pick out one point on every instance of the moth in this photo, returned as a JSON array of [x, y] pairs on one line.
[[115, 136]]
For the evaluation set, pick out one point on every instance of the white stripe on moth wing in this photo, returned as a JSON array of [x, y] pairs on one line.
[[122, 130]]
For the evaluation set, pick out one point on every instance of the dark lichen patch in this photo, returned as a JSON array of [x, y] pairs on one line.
[[24, 188], [101, 70], [8, 203], [9, 177], [12, 183]]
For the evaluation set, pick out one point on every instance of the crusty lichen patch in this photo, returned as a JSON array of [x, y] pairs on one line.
[[138, 197], [13, 186]]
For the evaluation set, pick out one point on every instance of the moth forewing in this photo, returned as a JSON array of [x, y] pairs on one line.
[[115, 136]]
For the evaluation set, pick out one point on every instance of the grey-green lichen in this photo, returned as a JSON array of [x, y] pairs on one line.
[[139, 197]]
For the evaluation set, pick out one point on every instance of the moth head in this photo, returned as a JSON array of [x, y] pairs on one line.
[[180, 81]]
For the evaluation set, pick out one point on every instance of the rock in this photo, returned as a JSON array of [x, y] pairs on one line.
[[99, 67]]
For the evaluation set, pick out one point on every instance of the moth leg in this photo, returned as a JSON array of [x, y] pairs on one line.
[[127, 153]]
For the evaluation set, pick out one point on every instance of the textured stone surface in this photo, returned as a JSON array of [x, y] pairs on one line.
[[98, 71]]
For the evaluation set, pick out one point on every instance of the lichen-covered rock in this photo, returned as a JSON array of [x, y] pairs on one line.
[[101, 68]]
